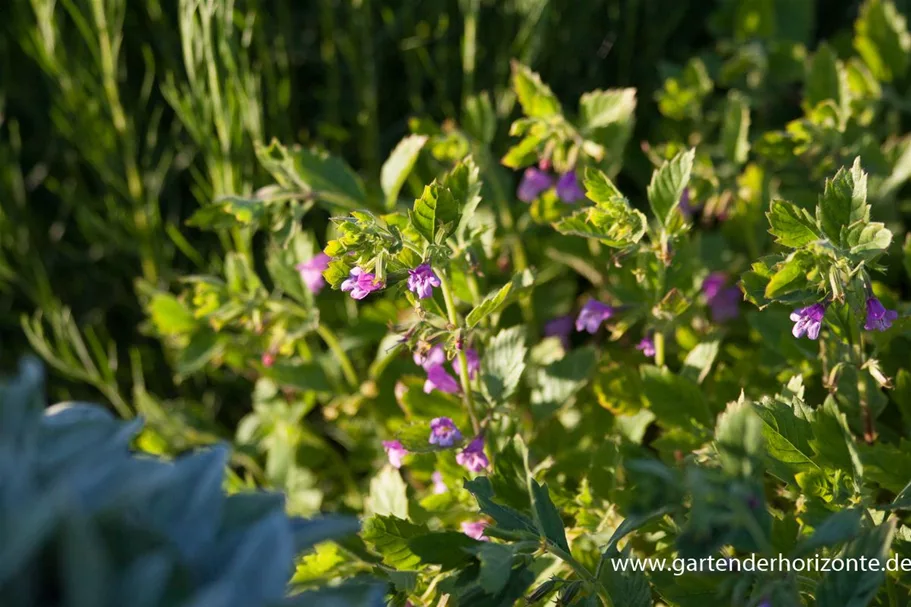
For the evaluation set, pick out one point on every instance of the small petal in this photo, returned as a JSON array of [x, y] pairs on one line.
[[422, 280], [439, 486], [878, 317], [591, 316], [808, 321], [439, 379], [434, 357], [647, 346], [472, 457], [443, 432], [475, 529], [533, 183], [395, 452], [568, 188], [311, 272]]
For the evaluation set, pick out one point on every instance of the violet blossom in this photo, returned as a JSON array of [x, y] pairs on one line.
[[472, 457], [361, 284], [808, 320], [723, 301], [568, 188], [878, 317], [395, 452], [560, 327], [473, 360], [475, 529], [439, 379], [439, 486], [422, 280], [311, 272], [647, 346], [443, 432], [534, 181], [432, 358], [591, 316]]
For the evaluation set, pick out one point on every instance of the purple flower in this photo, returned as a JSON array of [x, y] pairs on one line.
[[568, 188], [591, 316], [311, 272], [439, 486], [808, 320], [685, 206], [878, 317], [647, 345], [472, 457], [560, 327], [474, 363], [533, 182], [439, 379], [436, 356], [475, 529], [422, 280], [443, 432], [723, 301], [361, 284], [395, 452]]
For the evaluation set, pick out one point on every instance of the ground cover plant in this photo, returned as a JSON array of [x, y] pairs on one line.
[[519, 311]]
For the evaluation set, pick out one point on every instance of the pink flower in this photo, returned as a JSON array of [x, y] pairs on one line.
[[422, 280], [395, 452], [439, 379], [438, 485], [361, 284], [472, 457], [434, 357], [443, 432], [647, 346], [591, 316], [311, 272], [475, 529], [474, 363], [268, 359]]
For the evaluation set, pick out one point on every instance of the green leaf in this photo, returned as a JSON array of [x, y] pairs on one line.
[[614, 223], [480, 118], [787, 433], [434, 211], [399, 164], [792, 226], [496, 565], [873, 238], [389, 536], [503, 363], [836, 529], [627, 586], [525, 152], [547, 517], [699, 360], [558, 382], [882, 39], [170, 316], [853, 588], [790, 276], [738, 437], [228, 212], [495, 301], [599, 188], [388, 494], [301, 376], [504, 516], [843, 202], [536, 98], [833, 441], [826, 79], [202, 348], [449, 549], [599, 108], [675, 401], [667, 185], [735, 130]]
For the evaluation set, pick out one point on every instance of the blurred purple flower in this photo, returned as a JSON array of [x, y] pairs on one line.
[[647, 346], [568, 188], [422, 280], [560, 327], [685, 205], [534, 181], [439, 379], [361, 284], [438, 485], [592, 314], [474, 363], [808, 320], [475, 529], [443, 432], [472, 457], [434, 357], [878, 317], [723, 301], [395, 452], [311, 272]]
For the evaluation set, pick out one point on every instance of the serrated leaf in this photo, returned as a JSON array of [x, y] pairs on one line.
[[853, 588], [535, 97], [448, 549], [504, 516], [873, 238], [627, 585], [790, 276], [558, 382], [843, 202], [792, 226], [599, 109], [435, 210], [674, 400], [503, 363], [547, 517], [525, 152], [667, 185], [837, 528], [496, 565], [787, 439], [882, 40], [389, 536], [496, 300], [699, 360], [399, 164], [599, 188], [170, 316], [735, 130], [613, 223]]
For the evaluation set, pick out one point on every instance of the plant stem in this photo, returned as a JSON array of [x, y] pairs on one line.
[[463, 360], [581, 571], [332, 342], [659, 348]]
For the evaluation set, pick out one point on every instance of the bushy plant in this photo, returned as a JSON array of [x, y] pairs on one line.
[[87, 522]]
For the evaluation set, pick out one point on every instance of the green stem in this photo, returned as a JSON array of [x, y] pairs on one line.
[[659, 348], [463, 360], [332, 342], [581, 571], [469, 47]]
